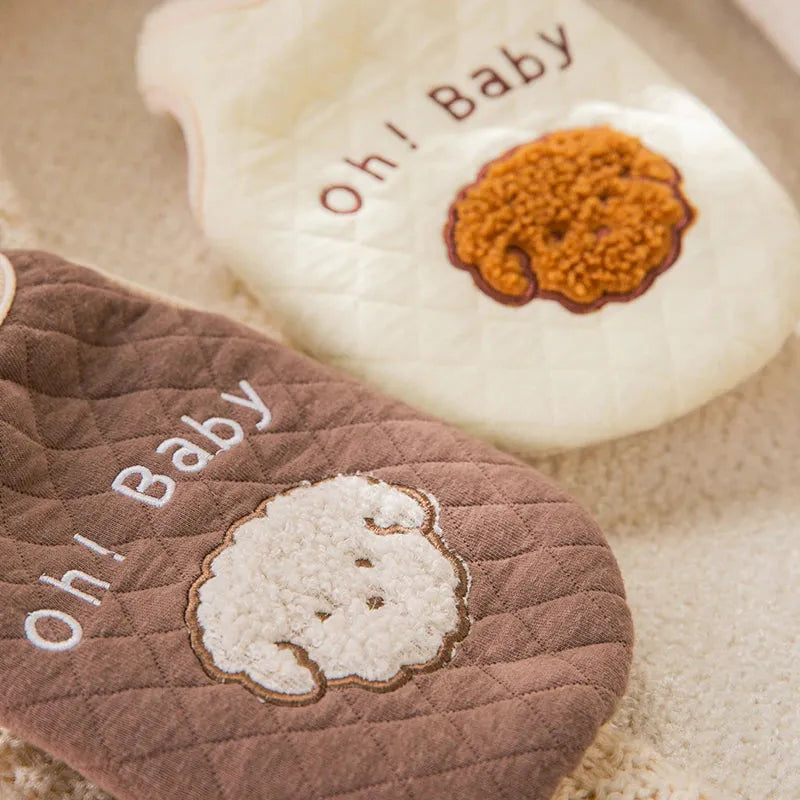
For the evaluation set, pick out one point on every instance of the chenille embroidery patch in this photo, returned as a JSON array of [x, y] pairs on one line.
[[582, 216], [346, 582]]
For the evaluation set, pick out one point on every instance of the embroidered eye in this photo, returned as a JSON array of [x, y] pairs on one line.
[[363, 562], [322, 615], [557, 231], [374, 603]]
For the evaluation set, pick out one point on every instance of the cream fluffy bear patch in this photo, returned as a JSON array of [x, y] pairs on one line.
[[343, 582]]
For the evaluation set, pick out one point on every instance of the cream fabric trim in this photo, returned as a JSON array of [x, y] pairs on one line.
[[8, 286]]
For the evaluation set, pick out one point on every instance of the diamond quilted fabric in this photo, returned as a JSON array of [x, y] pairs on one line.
[[332, 144], [146, 447]]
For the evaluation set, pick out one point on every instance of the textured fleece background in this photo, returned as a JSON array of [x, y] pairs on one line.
[[703, 515]]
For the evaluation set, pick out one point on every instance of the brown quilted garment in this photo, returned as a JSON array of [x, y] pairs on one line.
[[108, 678]]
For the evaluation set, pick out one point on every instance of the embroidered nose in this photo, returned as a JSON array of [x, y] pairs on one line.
[[374, 603]]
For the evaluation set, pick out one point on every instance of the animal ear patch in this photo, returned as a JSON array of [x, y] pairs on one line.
[[621, 259], [228, 571], [583, 217], [309, 593]]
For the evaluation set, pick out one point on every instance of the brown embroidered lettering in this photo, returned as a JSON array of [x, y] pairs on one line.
[[493, 80], [397, 132], [364, 165], [457, 105], [342, 206], [561, 45], [490, 81], [519, 62]]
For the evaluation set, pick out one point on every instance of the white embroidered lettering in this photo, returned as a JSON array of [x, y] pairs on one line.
[[97, 548], [69, 577], [225, 433], [146, 480], [199, 458], [207, 429], [66, 584], [37, 640], [253, 402]]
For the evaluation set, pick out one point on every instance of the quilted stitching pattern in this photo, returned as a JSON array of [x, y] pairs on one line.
[[374, 292], [93, 378]]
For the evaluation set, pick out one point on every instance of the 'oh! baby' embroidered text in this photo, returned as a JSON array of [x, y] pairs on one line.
[[222, 432]]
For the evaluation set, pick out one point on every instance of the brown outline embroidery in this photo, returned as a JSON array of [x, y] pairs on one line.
[[532, 292], [445, 654]]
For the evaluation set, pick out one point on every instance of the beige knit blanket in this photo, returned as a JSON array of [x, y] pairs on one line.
[[703, 514], [780, 21]]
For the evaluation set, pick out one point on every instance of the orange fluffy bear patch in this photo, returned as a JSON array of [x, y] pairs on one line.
[[584, 217]]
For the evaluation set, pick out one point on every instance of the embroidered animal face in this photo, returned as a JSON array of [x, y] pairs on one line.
[[580, 216], [343, 582]]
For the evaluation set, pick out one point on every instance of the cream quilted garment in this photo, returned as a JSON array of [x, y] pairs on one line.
[[275, 96]]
